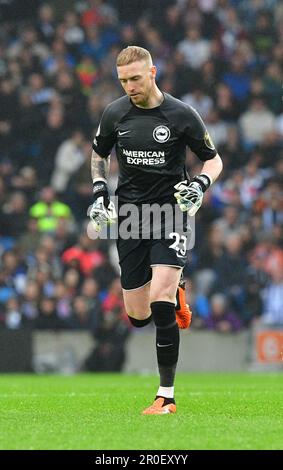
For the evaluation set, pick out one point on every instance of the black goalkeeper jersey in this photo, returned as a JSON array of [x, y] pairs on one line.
[[151, 146]]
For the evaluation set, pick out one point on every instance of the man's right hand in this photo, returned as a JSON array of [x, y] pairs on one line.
[[102, 211]]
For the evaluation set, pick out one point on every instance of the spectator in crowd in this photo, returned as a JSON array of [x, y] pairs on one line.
[[48, 318], [272, 299], [53, 134], [232, 281], [256, 122], [198, 100], [221, 318], [63, 300], [30, 300], [110, 333], [68, 160], [48, 210], [86, 253], [13, 215], [13, 315], [194, 48], [30, 239], [83, 317]]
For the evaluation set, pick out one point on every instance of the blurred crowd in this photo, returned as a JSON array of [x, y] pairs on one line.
[[57, 74]]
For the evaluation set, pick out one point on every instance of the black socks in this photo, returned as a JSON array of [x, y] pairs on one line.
[[140, 323], [167, 340]]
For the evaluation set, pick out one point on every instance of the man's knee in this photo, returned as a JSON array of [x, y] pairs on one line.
[[166, 293]]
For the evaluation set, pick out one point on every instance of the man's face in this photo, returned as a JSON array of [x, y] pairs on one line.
[[137, 79]]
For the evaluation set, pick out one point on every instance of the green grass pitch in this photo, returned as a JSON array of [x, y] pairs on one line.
[[103, 412]]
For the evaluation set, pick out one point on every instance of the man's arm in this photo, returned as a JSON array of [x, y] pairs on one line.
[[99, 167], [189, 196], [212, 168], [103, 210]]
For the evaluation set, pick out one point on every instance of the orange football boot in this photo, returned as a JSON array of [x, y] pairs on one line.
[[183, 312], [158, 408]]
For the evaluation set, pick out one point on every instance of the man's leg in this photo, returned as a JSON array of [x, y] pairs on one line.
[[134, 258], [137, 304], [164, 283]]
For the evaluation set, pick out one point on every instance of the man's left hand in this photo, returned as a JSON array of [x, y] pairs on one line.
[[189, 196]]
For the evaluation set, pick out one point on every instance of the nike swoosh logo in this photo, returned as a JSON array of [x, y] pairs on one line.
[[164, 345], [122, 133]]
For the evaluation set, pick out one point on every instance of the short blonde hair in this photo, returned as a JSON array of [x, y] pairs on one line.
[[132, 54]]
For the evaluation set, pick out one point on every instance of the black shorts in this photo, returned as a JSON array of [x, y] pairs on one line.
[[138, 255]]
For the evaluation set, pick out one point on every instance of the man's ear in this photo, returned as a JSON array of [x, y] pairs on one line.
[[153, 71]]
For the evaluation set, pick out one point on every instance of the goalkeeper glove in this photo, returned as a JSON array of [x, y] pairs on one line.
[[102, 211], [189, 196]]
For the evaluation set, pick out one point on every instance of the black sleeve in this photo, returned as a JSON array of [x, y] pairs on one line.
[[105, 137], [198, 138]]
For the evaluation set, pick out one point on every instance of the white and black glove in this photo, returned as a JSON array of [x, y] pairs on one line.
[[102, 211], [189, 195]]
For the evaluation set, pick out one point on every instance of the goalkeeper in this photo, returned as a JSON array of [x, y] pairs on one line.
[[151, 130]]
